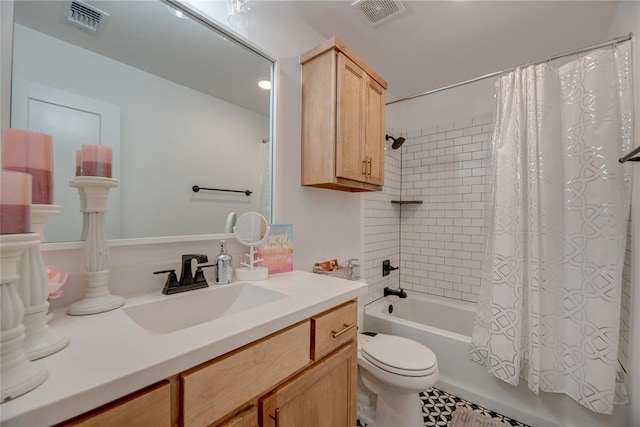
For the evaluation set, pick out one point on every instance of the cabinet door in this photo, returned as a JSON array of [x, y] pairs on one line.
[[374, 132], [350, 162], [324, 395]]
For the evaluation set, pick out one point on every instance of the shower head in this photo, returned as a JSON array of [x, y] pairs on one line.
[[397, 142]]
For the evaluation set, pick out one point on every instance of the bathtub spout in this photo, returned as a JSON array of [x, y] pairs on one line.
[[397, 292]]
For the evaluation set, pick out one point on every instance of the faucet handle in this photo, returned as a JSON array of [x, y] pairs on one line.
[[199, 276], [172, 280]]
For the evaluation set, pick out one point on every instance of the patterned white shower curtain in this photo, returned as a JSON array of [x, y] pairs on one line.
[[549, 305]]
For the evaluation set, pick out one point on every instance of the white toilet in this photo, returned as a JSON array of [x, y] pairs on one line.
[[392, 371]]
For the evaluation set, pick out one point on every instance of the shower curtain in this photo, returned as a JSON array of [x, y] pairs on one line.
[[549, 305]]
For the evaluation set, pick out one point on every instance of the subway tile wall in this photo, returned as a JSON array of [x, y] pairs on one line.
[[382, 229], [447, 166]]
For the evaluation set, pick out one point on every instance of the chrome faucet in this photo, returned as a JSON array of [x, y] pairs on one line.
[[188, 280]]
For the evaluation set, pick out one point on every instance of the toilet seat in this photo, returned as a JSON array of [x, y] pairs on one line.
[[400, 356]]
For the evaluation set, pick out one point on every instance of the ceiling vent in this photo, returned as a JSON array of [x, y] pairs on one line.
[[85, 16], [379, 11]]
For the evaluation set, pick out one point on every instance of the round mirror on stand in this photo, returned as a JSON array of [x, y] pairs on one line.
[[251, 229]]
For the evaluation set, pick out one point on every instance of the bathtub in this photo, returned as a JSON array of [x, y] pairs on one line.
[[445, 325]]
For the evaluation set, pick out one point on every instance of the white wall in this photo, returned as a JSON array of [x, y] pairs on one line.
[[6, 46], [448, 106], [164, 150], [627, 20]]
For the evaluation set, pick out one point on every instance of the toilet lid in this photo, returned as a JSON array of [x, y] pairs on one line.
[[399, 355]]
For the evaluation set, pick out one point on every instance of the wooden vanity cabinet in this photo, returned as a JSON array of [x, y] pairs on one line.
[[342, 120], [216, 388], [323, 395], [304, 375]]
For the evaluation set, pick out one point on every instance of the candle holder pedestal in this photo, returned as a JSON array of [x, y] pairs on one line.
[[94, 193], [19, 375], [33, 288]]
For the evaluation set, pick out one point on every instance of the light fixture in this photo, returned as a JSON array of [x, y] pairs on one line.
[[177, 12], [239, 11], [264, 83]]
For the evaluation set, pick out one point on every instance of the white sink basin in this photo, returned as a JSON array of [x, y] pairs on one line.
[[175, 312]]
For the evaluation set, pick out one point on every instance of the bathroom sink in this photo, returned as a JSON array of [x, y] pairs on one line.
[[175, 312]]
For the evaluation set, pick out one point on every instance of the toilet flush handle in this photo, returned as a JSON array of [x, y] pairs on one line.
[[336, 334]]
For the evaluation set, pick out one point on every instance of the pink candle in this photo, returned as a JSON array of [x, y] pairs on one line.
[[31, 152], [15, 202], [96, 160]]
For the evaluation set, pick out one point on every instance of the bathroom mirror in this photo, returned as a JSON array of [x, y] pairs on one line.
[[251, 229], [176, 98]]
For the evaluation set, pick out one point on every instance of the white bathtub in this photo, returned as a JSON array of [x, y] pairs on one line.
[[444, 325]]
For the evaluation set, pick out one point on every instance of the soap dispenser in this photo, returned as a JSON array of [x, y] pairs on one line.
[[224, 262]]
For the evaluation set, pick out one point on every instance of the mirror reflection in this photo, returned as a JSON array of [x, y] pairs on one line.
[[178, 102], [251, 229]]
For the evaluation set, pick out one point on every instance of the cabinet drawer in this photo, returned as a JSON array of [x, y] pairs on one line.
[[214, 390], [147, 407], [331, 329], [246, 418]]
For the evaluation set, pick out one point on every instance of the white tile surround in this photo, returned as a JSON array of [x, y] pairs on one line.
[[438, 244], [442, 240], [382, 229]]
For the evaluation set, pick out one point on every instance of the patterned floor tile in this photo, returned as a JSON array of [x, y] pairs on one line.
[[438, 407]]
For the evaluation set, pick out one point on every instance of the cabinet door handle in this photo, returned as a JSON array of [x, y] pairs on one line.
[[369, 163], [364, 167], [276, 418], [336, 334]]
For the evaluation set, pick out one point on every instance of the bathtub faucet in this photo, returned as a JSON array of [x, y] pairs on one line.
[[397, 292]]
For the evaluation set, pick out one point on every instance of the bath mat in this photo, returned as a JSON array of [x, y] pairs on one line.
[[466, 417]]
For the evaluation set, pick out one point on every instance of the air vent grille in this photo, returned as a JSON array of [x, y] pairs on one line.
[[378, 11], [85, 16]]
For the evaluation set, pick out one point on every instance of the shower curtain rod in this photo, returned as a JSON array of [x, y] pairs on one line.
[[497, 73]]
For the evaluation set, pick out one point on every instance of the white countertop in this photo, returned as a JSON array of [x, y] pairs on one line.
[[110, 355]]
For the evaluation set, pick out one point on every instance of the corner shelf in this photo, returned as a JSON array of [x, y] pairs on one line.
[[406, 202]]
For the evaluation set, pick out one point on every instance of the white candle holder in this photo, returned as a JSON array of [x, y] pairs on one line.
[[33, 288], [94, 193], [19, 375]]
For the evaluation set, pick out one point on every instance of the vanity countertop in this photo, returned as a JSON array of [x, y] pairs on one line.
[[110, 355]]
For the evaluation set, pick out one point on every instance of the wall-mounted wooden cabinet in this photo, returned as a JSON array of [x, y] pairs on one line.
[[342, 120]]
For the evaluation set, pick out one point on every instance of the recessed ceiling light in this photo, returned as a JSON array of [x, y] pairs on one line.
[[177, 12], [264, 84]]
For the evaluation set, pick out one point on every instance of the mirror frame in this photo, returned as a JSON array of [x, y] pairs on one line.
[[198, 16]]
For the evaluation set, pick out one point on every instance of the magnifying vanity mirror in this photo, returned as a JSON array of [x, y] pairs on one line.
[[251, 229], [176, 98]]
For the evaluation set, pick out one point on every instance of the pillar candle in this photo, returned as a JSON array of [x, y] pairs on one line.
[[97, 160], [30, 152], [15, 202]]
